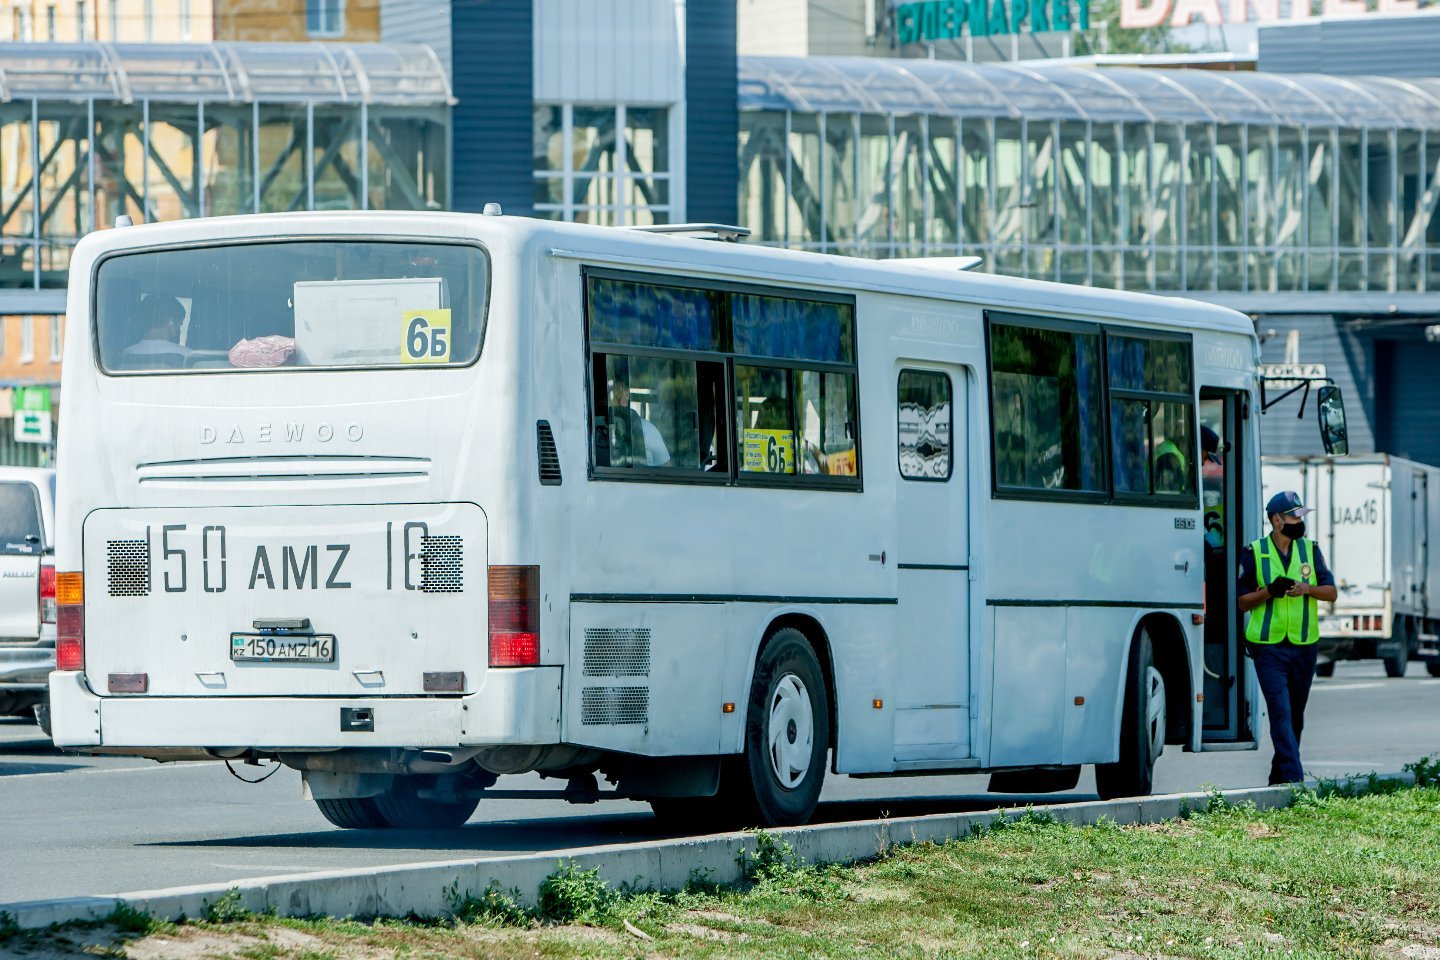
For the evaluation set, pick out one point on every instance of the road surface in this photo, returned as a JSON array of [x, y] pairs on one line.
[[72, 826]]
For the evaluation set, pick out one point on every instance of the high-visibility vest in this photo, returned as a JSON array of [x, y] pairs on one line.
[[1296, 619]]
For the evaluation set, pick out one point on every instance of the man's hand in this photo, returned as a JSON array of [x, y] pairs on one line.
[[1299, 590]]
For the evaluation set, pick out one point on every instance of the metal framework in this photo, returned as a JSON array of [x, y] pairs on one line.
[[91, 131], [1133, 178]]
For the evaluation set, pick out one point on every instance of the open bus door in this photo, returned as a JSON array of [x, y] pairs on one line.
[[1229, 721]]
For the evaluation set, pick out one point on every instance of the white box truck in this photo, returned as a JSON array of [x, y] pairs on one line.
[[1375, 518]]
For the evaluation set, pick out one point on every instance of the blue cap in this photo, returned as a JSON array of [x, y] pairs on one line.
[[1288, 502]]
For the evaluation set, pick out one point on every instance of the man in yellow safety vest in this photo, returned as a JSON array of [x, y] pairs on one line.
[[1282, 579]]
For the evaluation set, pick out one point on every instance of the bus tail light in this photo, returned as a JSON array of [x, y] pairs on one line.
[[514, 616], [69, 621], [47, 593]]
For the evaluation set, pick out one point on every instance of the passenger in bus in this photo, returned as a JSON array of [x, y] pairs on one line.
[[1281, 579], [1170, 472], [162, 318], [634, 440]]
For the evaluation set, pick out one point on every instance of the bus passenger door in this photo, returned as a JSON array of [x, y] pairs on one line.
[[932, 694], [1227, 719]]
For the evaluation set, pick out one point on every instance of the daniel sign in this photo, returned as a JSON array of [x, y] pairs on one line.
[[1140, 14]]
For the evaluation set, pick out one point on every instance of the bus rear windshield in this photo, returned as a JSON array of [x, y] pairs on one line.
[[288, 304]]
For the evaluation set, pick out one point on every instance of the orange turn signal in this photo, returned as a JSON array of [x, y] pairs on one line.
[[69, 589]]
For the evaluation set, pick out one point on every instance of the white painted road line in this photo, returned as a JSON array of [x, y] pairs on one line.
[[72, 772], [1347, 686]]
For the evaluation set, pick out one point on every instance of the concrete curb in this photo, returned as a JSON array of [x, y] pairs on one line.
[[420, 888]]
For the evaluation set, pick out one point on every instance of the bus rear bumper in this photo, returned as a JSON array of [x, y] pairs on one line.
[[515, 706]]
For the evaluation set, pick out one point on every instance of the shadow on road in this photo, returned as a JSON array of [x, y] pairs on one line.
[[563, 833], [23, 769]]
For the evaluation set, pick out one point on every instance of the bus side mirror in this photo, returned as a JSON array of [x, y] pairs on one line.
[[1332, 421]]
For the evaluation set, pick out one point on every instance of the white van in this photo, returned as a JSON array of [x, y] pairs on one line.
[[27, 587], [412, 501]]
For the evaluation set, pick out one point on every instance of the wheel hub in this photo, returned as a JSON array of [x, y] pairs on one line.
[[1155, 713], [791, 731]]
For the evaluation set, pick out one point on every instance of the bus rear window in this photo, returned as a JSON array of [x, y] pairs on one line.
[[288, 304]]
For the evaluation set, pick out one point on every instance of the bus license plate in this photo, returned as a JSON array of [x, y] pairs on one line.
[[273, 648]]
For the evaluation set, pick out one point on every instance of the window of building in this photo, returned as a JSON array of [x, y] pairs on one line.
[[25, 26], [114, 21], [606, 165], [924, 430], [82, 24], [50, 23], [1050, 399], [27, 339], [721, 384], [57, 338], [185, 31], [149, 21], [325, 18]]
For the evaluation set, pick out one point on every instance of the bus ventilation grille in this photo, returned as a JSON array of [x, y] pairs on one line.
[[614, 705], [129, 562], [549, 456], [442, 564], [617, 652]]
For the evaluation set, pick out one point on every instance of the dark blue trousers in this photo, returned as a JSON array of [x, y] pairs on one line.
[[1285, 672]]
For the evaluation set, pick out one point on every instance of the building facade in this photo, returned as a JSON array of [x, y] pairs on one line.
[[106, 21], [297, 21]]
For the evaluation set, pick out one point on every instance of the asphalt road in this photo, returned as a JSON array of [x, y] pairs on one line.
[[72, 826]]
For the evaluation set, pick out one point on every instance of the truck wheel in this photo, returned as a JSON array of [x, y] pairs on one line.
[[352, 814], [787, 735], [1325, 669], [402, 806], [1142, 728], [1432, 667], [1403, 641]]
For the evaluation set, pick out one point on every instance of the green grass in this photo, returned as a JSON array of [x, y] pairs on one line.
[[1331, 876]]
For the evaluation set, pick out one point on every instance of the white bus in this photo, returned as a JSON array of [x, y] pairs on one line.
[[408, 502]]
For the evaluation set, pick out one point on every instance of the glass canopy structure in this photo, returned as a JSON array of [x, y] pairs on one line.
[[91, 131], [1121, 177]]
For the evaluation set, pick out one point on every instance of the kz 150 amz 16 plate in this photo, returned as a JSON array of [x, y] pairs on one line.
[[283, 648]]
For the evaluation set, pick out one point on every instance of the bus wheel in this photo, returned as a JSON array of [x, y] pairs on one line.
[[1325, 669], [402, 806], [352, 814], [787, 732], [1432, 667], [1142, 728]]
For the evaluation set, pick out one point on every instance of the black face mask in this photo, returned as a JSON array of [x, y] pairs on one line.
[[1294, 530]]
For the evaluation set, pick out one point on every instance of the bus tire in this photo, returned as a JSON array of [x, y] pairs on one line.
[[1432, 667], [1142, 728], [350, 813], [1325, 669], [402, 806], [787, 735]]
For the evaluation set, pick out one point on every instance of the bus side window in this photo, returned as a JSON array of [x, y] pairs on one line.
[[924, 432]]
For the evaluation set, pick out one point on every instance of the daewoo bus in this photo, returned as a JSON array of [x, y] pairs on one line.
[[408, 502]]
